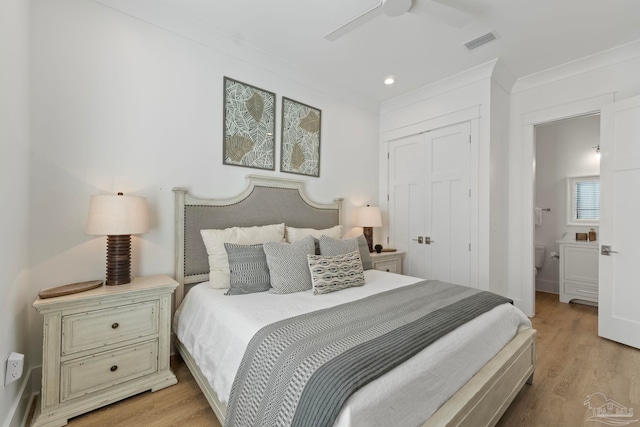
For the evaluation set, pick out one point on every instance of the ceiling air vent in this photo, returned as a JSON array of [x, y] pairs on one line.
[[479, 41]]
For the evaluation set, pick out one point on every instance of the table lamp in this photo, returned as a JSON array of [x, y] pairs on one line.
[[368, 217], [118, 217]]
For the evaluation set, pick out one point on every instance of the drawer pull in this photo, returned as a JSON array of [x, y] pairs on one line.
[[115, 325], [114, 368]]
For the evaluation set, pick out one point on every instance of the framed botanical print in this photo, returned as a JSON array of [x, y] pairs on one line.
[[300, 147], [249, 126]]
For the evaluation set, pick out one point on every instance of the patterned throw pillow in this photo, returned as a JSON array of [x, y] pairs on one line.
[[248, 268], [288, 266], [330, 246], [215, 239], [333, 273]]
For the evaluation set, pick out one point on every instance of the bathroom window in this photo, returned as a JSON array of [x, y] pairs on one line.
[[583, 201]]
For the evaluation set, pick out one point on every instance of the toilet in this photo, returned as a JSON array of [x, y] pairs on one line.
[[539, 257]]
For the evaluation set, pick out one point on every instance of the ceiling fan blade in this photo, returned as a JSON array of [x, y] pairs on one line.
[[354, 23], [440, 12]]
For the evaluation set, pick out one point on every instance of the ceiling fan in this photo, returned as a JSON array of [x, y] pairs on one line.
[[427, 8]]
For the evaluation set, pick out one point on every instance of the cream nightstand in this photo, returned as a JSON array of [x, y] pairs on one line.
[[388, 261], [103, 345]]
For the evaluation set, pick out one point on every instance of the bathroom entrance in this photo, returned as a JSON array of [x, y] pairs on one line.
[[566, 218]]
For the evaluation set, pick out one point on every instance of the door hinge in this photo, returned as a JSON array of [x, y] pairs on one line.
[[387, 240], [469, 139], [387, 197], [388, 156], [469, 247]]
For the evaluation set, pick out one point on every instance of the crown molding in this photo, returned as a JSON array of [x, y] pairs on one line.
[[584, 65], [465, 78]]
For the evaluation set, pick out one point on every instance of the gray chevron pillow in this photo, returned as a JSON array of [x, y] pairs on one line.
[[333, 273], [288, 266], [248, 268]]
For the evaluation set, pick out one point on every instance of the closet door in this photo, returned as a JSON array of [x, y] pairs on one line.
[[448, 217], [429, 202], [407, 201]]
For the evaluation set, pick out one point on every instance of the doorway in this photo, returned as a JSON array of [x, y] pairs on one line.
[[522, 269], [564, 150]]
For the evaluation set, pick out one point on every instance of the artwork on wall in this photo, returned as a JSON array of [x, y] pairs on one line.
[[300, 148], [249, 126]]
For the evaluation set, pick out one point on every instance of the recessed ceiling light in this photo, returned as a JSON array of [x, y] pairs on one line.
[[389, 80]]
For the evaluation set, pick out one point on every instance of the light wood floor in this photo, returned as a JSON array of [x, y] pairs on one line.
[[572, 362]]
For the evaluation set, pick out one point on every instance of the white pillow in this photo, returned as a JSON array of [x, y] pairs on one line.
[[295, 234], [214, 241]]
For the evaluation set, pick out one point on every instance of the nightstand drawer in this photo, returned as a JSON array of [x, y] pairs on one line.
[[93, 373], [100, 328], [390, 266], [388, 261]]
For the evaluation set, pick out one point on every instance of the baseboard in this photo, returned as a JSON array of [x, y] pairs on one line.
[[19, 411], [547, 292], [549, 286]]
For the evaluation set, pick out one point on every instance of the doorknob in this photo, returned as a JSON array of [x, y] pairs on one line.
[[606, 250], [428, 241], [419, 239]]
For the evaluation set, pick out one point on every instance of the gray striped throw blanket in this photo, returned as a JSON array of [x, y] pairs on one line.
[[300, 371]]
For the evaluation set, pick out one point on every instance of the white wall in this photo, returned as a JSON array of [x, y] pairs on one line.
[[561, 92], [15, 296], [123, 105], [563, 149], [498, 181]]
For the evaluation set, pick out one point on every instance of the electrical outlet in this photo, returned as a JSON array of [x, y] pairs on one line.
[[15, 365]]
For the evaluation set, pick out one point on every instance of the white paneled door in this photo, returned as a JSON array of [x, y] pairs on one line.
[[429, 202], [407, 201], [619, 282]]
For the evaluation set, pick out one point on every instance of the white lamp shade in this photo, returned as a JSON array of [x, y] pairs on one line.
[[112, 215], [368, 216]]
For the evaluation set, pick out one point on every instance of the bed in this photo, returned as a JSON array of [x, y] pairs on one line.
[[482, 396]]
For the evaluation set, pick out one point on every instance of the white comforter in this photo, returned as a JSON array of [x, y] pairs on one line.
[[216, 329]]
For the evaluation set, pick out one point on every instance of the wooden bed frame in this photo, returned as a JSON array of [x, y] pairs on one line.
[[266, 200]]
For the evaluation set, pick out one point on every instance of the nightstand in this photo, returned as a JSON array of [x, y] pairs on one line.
[[388, 261], [104, 345]]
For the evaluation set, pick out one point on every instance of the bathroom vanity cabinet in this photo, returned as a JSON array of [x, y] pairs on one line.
[[578, 270]]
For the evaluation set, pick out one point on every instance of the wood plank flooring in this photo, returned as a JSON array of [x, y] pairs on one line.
[[180, 405], [572, 362]]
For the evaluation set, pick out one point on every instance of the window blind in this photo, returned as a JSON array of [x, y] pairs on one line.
[[587, 197]]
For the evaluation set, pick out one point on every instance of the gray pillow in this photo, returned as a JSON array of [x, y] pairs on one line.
[[248, 268], [333, 273], [331, 246], [288, 266], [365, 256]]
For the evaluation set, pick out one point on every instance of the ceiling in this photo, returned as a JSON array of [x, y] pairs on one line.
[[417, 50]]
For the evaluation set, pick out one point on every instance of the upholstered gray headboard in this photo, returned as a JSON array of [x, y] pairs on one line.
[[265, 201]]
